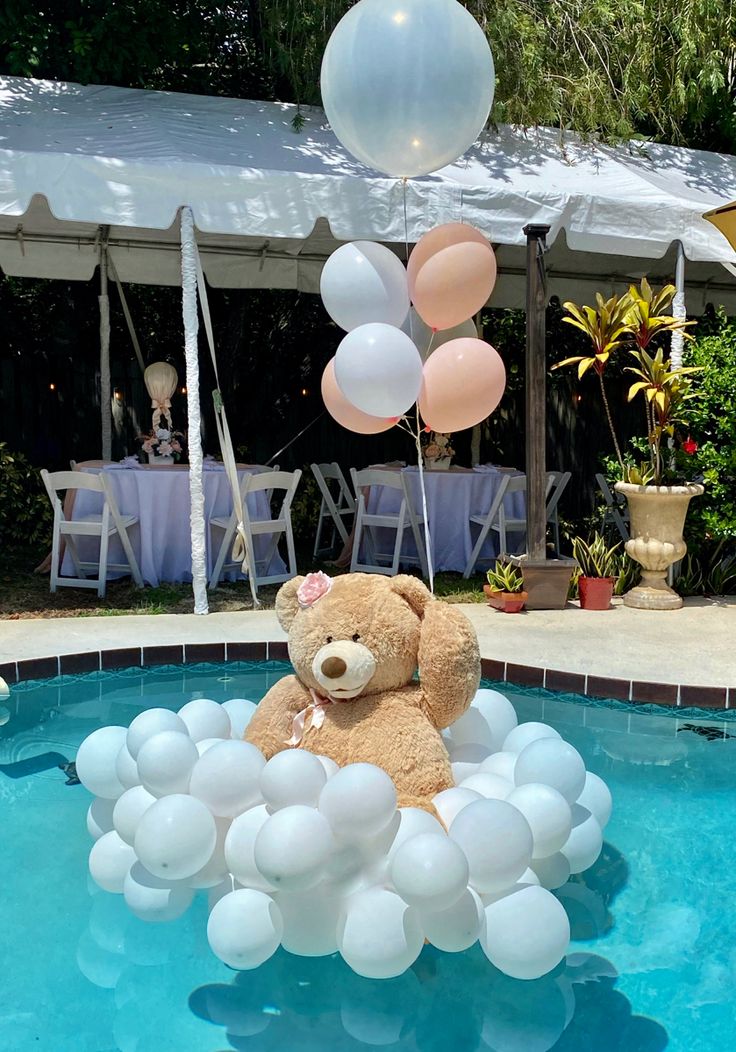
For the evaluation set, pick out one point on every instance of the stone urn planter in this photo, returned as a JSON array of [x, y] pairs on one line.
[[657, 520]]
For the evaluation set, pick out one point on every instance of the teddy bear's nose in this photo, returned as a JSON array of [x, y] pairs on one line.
[[334, 667]]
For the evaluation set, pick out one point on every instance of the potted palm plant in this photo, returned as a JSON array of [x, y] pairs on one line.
[[598, 564], [505, 588]]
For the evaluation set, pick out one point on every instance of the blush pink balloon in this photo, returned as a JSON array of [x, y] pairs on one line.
[[454, 284], [436, 240], [463, 383], [346, 414]]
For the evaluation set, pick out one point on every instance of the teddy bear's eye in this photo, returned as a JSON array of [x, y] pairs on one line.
[[329, 639], [356, 637]]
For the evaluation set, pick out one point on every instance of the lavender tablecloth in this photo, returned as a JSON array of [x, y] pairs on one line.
[[452, 497], [159, 497]]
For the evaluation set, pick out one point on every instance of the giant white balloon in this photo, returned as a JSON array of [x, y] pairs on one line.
[[96, 759], [362, 282], [148, 723], [225, 777], [553, 762], [244, 928], [175, 837], [379, 369], [584, 844], [548, 814], [497, 841], [165, 763], [109, 861], [359, 801], [430, 872], [526, 932], [293, 776], [152, 899], [205, 718], [129, 809], [292, 847], [379, 935], [596, 796], [239, 848], [407, 87], [456, 928]]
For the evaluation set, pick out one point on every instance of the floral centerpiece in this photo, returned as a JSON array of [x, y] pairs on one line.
[[437, 451], [161, 446]]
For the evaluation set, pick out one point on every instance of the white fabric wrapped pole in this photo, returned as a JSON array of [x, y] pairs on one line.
[[677, 342], [191, 328], [105, 394]]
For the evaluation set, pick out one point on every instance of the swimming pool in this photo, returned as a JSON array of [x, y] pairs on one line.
[[654, 951]]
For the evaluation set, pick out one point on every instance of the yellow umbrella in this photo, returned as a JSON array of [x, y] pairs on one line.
[[724, 219]]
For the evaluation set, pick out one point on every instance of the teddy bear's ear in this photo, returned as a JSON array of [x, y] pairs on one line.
[[412, 591], [287, 605]]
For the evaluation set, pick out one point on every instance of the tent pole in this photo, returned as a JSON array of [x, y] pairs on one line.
[[194, 428], [677, 341], [536, 366], [105, 392]]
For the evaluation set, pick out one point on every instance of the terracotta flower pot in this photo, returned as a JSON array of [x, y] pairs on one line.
[[506, 602], [596, 593]]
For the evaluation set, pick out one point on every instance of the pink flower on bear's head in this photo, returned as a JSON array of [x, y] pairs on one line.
[[312, 588]]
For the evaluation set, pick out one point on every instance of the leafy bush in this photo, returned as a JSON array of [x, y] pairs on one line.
[[25, 512]]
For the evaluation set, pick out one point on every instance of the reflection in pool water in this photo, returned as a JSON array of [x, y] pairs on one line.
[[653, 953]]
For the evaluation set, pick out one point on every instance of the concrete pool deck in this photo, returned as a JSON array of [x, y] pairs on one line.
[[685, 657]]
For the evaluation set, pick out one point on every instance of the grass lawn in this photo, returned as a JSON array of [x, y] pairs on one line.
[[25, 594]]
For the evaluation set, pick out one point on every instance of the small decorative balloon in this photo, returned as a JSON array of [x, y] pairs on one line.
[[96, 760], [126, 769], [379, 369], [244, 928], [293, 776], [596, 796], [165, 763], [99, 817], [152, 899], [548, 815], [500, 763], [240, 711], [150, 722], [450, 802], [526, 932], [362, 282], [525, 734], [480, 829], [488, 720], [359, 801], [407, 88], [129, 809], [489, 786], [584, 844], [292, 848], [344, 412], [463, 383], [205, 718], [239, 848], [457, 928], [555, 763], [430, 872], [175, 837], [453, 285], [109, 861], [437, 240], [426, 341], [225, 778], [310, 920], [379, 935]]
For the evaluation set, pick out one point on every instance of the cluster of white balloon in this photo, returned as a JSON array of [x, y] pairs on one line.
[[298, 852]]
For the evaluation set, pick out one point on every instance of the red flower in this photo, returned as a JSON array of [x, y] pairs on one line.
[[689, 446]]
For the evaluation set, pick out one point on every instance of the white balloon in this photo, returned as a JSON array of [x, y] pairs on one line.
[[457, 928], [553, 871], [175, 837], [497, 841], [378, 369], [225, 777], [205, 718], [99, 817], [527, 877], [292, 848], [426, 341], [206, 744], [152, 899], [500, 763], [462, 770], [468, 752], [359, 801], [126, 769], [329, 765], [109, 861], [244, 928], [129, 809], [364, 282], [219, 891], [215, 870], [293, 776], [310, 920], [378, 934], [240, 711], [488, 721], [596, 796], [491, 786], [527, 932], [96, 758], [165, 763], [526, 733], [430, 872], [239, 845], [148, 723], [407, 88], [548, 815], [450, 802], [583, 846], [553, 762]]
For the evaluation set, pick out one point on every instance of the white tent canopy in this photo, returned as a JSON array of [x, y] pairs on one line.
[[270, 203]]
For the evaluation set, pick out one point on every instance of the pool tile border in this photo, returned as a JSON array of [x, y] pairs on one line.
[[637, 692]]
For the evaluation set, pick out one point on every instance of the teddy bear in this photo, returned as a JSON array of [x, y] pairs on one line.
[[356, 642]]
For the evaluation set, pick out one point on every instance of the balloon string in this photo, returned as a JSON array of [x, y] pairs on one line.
[[406, 222]]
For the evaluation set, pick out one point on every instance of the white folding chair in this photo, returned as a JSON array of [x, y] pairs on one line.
[[560, 480], [615, 511], [266, 482], [366, 522], [486, 522], [335, 508], [104, 525], [503, 524]]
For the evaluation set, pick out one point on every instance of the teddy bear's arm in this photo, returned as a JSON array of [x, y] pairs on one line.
[[271, 725], [449, 663]]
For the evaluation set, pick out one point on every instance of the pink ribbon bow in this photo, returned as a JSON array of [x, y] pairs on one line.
[[315, 709]]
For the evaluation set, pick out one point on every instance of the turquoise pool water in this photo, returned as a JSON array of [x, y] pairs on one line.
[[653, 963]]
